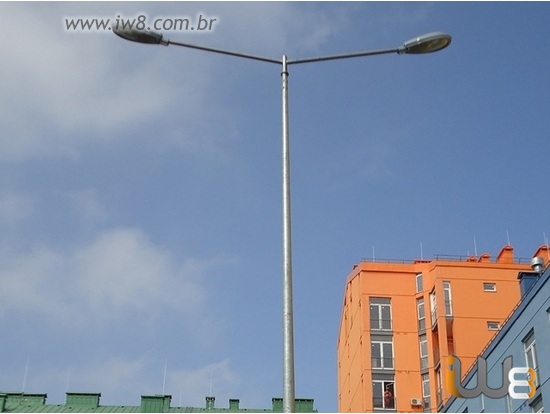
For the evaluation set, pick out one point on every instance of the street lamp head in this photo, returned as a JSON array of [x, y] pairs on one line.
[[140, 36], [428, 43]]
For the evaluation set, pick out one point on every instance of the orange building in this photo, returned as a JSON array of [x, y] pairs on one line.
[[400, 320]]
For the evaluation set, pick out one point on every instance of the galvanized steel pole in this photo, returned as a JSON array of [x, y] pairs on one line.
[[288, 324]]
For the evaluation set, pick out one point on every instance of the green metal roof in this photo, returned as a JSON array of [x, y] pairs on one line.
[[18, 402]]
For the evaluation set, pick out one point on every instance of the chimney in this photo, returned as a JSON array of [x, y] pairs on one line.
[[210, 403], [506, 255], [83, 399], [277, 405], [537, 264], [484, 258], [528, 279], [155, 403], [233, 405]]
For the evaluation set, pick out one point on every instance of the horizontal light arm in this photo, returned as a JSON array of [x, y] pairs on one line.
[[346, 56], [225, 52]]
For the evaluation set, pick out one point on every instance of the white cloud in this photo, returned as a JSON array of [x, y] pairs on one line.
[[65, 91], [120, 274], [58, 86]]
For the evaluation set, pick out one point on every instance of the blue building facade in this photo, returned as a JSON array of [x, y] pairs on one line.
[[525, 336]]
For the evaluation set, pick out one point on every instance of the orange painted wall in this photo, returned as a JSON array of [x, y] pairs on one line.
[[465, 334]]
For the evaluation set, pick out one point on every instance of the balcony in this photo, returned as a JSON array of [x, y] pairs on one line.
[[434, 318]]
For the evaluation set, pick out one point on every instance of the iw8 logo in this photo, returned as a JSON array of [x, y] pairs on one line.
[[509, 381]]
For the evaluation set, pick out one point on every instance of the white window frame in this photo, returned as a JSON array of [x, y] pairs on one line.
[[426, 400], [433, 308], [439, 390], [489, 287], [385, 383], [383, 357], [421, 318], [447, 298], [529, 344], [419, 283], [493, 325], [423, 340], [509, 404], [380, 304]]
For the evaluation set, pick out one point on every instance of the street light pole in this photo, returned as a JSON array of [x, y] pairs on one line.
[[431, 42], [288, 315]]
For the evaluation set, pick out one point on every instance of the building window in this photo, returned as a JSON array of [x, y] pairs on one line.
[[509, 404], [448, 299], [383, 394], [439, 387], [537, 405], [531, 354], [433, 308], [426, 391], [489, 287], [381, 354], [423, 352], [380, 314], [419, 284], [421, 314], [493, 325]]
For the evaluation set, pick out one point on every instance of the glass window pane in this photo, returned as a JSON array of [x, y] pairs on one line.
[[386, 314], [387, 350], [374, 312], [530, 359], [377, 398], [421, 310], [388, 355], [419, 286], [424, 348]]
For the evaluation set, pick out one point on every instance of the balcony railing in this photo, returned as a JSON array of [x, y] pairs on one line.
[[387, 403], [438, 257], [439, 396], [426, 403], [434, 317]]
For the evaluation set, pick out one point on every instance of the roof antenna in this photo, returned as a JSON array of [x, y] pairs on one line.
[[421, 252], [25, 375], [373, 254], [508, 237], [164, 379], [475, 247], [68, 378]]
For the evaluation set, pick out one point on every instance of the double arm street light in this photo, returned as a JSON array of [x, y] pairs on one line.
[[428, 43]]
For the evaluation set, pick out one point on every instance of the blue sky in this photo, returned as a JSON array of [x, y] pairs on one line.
[[140, 189]]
